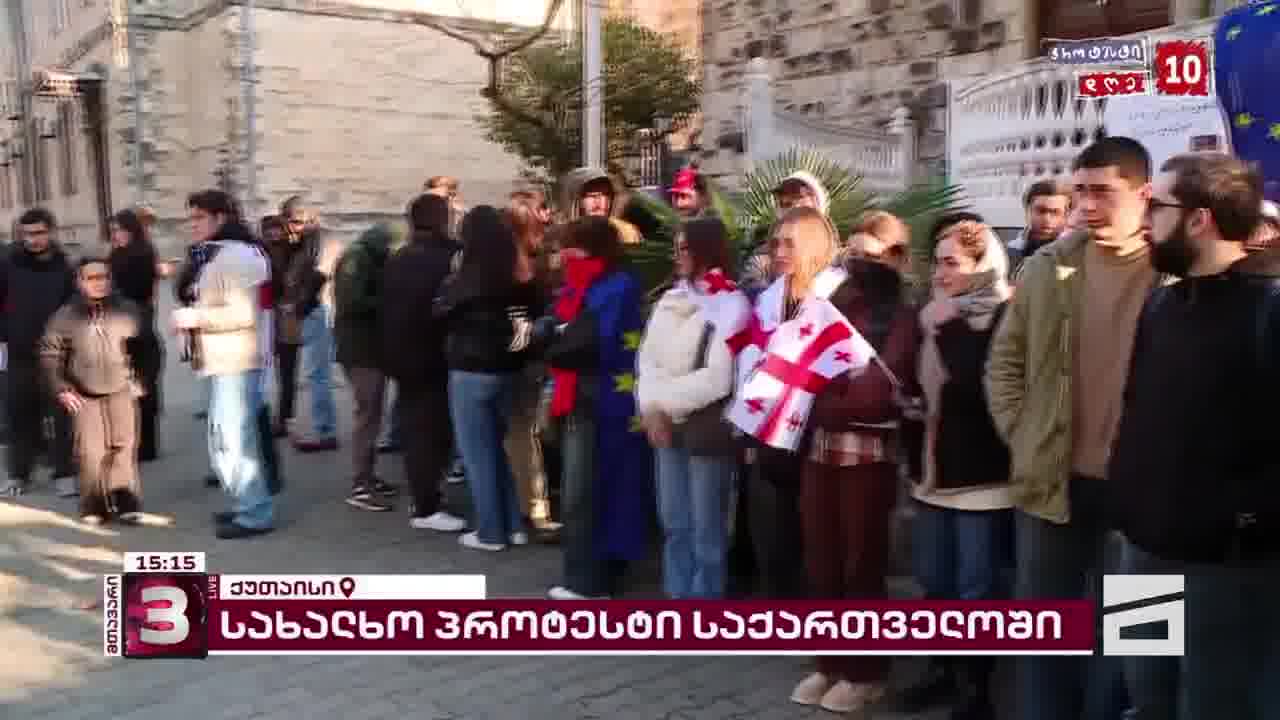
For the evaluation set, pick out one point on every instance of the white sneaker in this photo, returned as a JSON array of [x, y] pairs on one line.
[[812, 689], [440, 522], [67, 487], [12, 488], [520, 537], [472, 540], [560, 592]]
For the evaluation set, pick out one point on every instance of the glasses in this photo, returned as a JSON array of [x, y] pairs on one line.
[[1153, 205]]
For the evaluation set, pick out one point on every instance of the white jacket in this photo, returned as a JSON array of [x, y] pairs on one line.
[[234, 332], [668, 380]]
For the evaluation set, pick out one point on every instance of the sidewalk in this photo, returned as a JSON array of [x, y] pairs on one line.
[[51, 664]]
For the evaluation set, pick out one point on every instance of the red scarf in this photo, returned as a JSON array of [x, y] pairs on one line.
[[580, 272]]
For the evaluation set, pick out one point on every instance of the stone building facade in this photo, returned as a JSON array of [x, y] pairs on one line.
[[853, 62], [354, 103]]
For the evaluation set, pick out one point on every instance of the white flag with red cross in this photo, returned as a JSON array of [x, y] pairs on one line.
[[801, 357]]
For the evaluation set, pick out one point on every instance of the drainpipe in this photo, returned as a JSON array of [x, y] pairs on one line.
[[18, 21], [248, 49]]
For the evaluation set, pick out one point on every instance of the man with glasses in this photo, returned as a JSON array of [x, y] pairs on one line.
[[35, 280], [1192, 470], [1055, 380]]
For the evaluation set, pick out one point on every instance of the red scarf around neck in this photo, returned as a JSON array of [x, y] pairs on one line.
[[580, 272]]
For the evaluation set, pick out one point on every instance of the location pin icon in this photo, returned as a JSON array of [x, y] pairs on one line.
[[347, 586]]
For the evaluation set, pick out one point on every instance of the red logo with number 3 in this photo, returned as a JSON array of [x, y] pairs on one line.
[[1182, 67]]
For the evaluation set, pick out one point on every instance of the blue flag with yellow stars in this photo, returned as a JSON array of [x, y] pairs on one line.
[[623, 494], [1246, 49]]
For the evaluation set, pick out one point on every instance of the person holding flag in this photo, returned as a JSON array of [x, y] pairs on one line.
[[794, 343]]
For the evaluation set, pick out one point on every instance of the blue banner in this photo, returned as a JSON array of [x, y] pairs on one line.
[[1247, 53]]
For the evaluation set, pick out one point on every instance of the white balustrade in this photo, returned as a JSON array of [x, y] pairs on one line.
[[884, 158], [1010, 129]]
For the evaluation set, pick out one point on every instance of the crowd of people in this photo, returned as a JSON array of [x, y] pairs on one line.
[[1092, 382]]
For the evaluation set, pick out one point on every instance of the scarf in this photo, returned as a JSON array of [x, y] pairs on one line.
[[580, 272], [988, 290]]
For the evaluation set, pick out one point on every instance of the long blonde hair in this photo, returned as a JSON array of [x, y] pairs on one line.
[[816, 243]]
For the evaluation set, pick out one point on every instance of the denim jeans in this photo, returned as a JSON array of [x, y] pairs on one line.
[[479, 404], [235, 446], [391, 416], [1232, 662], [1066, 561], [693, 505], [317, 364], [961, 554], [1155, 683]]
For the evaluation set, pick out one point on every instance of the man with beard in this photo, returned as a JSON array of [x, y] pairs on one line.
[[1192, 466], [1055, 377], [1046, 204], [35, 281], [689, 194]]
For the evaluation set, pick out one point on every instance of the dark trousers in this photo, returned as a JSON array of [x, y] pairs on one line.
[[286, 379], [845, 514], [30, 404], [428, 440], [106, 435], [1066, 561], [586, 571], [150, 354], [774, 505], [742, 560]]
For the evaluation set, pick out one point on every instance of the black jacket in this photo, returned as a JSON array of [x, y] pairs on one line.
[[413, 337], [1194, 444], [968, 451], [492, 333], [31, 291], [90, 350], [295, 273]]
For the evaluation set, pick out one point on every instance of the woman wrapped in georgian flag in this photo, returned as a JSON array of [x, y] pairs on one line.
[[685, 376], [820, 398]]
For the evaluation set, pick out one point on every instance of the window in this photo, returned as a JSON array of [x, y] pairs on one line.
[[67, 143]]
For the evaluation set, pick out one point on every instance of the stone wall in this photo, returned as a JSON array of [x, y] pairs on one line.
[[852, 62]]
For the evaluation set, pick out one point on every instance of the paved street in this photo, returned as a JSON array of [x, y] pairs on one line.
[[50, 665]]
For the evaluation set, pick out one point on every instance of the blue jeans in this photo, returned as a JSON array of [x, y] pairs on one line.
[[317, 364], [1232, 662], [1065, 562], [479, 404], [391, 416], [961, 554], [235, 447], [1155, 683], [693, 505]]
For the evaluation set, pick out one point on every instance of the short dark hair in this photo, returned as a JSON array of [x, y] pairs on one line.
[[92, 260], [1045, 188], [271, 222], [38, 216], [1130, 159], [708, 242], [428, 214], [214, 202], [597, 237], [1227, 187]]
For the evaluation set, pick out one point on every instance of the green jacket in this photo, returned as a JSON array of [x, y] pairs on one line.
[[1029, 373], [357, 282]]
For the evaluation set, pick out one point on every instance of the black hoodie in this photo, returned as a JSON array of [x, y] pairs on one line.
[[413, 337], [31, 290]]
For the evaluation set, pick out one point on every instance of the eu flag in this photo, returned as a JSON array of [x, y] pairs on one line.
[[1246, 55]]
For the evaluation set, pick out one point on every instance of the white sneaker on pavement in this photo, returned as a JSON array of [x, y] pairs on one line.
[[560, 592], [472, 540], [440, 522], [520, 537]]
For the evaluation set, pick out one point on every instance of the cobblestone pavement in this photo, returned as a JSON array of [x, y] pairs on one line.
[[50, 663]]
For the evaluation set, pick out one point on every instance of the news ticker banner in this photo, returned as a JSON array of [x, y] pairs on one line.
[[166, 605]]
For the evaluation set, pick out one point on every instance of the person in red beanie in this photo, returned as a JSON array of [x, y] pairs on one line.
[[689, 193]]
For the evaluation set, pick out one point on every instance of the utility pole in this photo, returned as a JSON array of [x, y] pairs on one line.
[[592, 85], [26, 168]]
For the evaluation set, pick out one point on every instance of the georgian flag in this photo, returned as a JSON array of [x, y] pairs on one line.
[[798, 359], [749, 344], [721, 303]]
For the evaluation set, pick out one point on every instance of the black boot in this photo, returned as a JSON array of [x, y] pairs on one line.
[[974, 675], [935, 687]]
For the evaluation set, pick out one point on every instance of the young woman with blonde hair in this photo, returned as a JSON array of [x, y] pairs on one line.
[[802, 247]]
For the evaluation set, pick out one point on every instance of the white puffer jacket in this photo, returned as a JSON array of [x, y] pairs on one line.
[[668, 380]]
